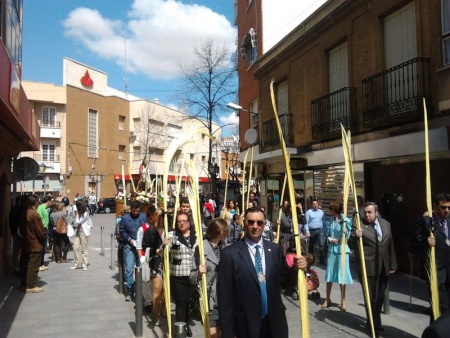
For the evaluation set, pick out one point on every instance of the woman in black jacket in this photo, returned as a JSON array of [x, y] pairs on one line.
[[153, 239]]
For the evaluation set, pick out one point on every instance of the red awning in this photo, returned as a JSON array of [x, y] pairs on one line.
[[186, 178], [127, 177]]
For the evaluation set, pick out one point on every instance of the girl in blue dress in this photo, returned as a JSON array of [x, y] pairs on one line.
[[339, 226]]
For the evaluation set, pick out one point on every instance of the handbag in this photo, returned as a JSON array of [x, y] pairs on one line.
[[70, 230], [145, 267], [61, 226]]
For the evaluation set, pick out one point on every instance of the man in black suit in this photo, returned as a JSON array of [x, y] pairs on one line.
[[379, 257], [439, 224], [249, 292]]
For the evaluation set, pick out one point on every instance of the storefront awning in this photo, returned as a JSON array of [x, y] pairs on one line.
[[127, 177], [186, 178]]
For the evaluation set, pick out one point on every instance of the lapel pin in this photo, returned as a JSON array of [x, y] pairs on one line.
[[269, 250]]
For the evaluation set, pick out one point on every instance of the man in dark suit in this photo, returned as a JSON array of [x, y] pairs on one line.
[[439, 224], [379, 257], [249, 292]]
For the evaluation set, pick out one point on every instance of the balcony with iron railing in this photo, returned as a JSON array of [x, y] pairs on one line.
[[270, 139], [51, 161], [395, 95], [330, 111], [50, 129]]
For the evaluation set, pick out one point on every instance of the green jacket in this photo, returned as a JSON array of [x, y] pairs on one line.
[[43, 212]]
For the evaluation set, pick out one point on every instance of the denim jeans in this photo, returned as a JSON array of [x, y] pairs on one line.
[[130, 261], [317, 236]]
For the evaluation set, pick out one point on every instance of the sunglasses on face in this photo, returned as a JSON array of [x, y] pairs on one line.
[[251, 222], [181, 221], [444, 207]]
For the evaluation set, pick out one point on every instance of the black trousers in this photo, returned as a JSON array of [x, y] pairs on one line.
[[182, 291], [61, 246], [377, 286]]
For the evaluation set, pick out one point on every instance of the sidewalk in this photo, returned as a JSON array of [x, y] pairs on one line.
[[78, 303]]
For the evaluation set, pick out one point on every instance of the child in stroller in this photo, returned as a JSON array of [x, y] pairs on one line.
[[312, 280], [290, 282]]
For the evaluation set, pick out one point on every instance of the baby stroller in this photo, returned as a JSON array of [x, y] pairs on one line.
[[290, 282], [289, 252]]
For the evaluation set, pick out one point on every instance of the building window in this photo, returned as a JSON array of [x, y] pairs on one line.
[[137, 154], [400, 45], [254, 115], [249, 47], [13, 32], [122, 156], [282, 98], [48, 117], [92, 134], [121, 122], [48, 152], [446, 31]]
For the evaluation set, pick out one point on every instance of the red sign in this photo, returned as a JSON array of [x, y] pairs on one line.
[[86, 80]]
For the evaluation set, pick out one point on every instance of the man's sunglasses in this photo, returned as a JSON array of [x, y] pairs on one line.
[[251, 222], [444, 207]]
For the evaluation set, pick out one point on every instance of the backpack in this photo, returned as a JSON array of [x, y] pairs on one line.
[[61, 226]]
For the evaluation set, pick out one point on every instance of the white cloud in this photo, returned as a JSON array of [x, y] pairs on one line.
[[231, 122], [160, 35]]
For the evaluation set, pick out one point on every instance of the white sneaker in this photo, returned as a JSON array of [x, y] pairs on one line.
[[85, 268], [75, 267], [43, 268]]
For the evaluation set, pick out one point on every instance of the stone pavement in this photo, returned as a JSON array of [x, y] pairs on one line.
[[78, 303]]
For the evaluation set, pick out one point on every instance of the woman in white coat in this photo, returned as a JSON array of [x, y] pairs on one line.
[[82, 225]]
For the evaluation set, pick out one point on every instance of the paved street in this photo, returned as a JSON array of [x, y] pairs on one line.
[[78, 303]]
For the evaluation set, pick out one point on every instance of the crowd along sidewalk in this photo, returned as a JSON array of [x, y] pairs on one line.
[[77, 303]]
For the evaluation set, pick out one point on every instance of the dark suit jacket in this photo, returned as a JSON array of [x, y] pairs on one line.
[[442, 250], [376, 253], [239, 294]]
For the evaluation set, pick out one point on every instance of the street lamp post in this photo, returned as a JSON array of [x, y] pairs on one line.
[[213, 170]]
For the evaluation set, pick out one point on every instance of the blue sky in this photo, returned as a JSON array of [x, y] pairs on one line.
[[159, 34]]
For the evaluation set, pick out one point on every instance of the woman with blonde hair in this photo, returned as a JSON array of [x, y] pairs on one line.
[[153, 239], [229, 211], [61, 242], [214, 242]]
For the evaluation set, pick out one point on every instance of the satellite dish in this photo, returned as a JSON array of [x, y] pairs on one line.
[[251, 136], [27, 169]]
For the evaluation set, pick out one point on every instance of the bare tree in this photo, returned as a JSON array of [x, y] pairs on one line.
[[152, 136], [207, 85]]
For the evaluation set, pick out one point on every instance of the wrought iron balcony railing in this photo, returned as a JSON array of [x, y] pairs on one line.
[[270, 139], [330, 111], [46, 158], [50, 124], [395, 95]]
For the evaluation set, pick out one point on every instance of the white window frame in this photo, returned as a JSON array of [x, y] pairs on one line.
[[48, 152], [48, 117]]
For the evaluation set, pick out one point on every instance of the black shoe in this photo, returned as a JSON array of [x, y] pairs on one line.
[[188, 332]]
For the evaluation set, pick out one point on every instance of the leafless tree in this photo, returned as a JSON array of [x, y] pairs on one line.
[[208, 84]]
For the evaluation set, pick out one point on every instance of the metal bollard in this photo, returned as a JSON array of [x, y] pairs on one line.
[[113, 245], [102, 242], [138, 301], [179, 330], [386, 305], [120, 260]]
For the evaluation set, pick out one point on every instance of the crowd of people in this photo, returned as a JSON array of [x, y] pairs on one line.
[[245, 260], [44, 226], [241, 248]]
